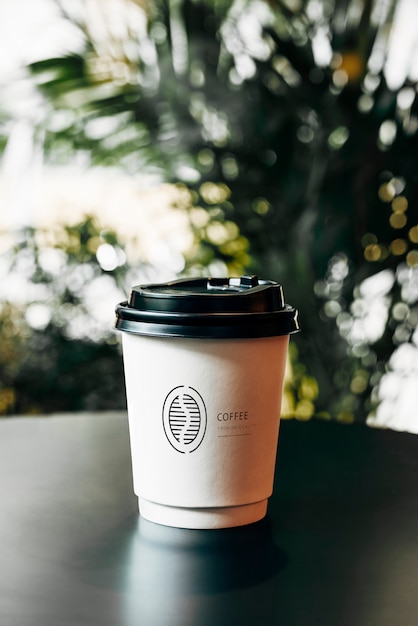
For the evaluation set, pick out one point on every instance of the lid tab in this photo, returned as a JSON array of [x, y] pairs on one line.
[[248, 281], [218, 283]]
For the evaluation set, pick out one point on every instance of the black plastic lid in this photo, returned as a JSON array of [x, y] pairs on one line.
[[208, 308]]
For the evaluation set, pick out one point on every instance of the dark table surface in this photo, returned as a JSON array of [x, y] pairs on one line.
[[339, 546]]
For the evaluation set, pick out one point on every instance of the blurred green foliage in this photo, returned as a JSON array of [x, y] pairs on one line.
[[300, 167], [57, 355], [54, 356]]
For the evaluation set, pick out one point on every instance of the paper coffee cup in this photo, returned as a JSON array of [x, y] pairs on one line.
[[204, 364]]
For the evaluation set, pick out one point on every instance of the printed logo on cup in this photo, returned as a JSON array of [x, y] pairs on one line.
[[184, 419]]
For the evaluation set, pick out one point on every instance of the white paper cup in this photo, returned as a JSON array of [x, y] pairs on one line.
[[204, 422]]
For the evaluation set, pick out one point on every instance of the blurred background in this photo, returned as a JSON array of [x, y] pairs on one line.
[[147, 140]]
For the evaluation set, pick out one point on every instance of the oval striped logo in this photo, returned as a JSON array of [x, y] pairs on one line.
[[184, 418]]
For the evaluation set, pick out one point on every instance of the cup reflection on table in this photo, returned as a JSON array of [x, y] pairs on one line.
[[179, 577]]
